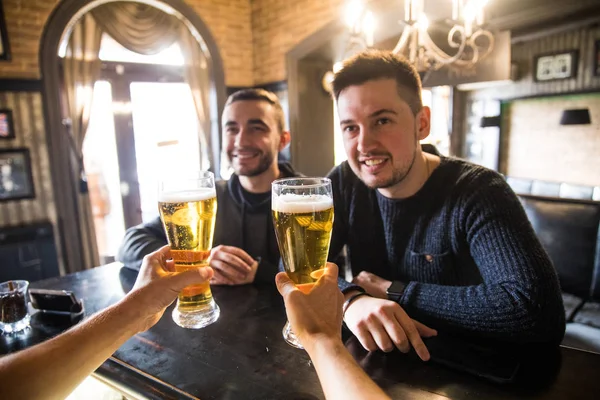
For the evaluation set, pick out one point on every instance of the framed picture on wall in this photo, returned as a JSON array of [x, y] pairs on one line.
[[597, 58], [556, 66], [7, 129], [4, 49], [16, 180]]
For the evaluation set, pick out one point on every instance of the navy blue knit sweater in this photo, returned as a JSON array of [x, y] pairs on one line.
[[464, 247]]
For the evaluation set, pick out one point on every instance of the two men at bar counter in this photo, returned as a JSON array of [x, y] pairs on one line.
[[245, 248], [432, 241]]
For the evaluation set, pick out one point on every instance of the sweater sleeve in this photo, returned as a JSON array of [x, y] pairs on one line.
[[519, 298], [339, 235], [139, 241]]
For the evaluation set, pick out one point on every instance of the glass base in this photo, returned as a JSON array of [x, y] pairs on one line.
[[290, 337], [199, 318], [15, 326]]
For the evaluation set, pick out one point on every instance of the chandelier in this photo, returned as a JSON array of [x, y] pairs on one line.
[[468, 41]]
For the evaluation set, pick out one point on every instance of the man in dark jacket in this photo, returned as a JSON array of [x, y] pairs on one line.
[[245, 247]]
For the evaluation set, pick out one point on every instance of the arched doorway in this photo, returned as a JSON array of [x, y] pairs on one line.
[[66, 185]]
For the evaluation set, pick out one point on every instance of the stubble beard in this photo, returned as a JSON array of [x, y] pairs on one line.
[[398, 174], [265, 161]]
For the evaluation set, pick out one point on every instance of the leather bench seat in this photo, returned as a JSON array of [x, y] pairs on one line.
[[569, 231]]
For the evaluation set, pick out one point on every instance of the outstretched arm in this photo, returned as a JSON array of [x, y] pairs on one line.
[[316, 319], [54, 368], [141, 240]]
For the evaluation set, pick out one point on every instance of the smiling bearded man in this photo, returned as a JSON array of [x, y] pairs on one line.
[[430, 240], [245, 245]]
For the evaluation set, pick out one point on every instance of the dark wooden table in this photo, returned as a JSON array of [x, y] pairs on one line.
[[243, 355]]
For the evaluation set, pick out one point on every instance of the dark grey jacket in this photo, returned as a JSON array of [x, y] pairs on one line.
[[239, 223]]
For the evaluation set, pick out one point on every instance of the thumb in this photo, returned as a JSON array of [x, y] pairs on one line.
[[284, 284], [331, 271], [179, 280], [162, 254]]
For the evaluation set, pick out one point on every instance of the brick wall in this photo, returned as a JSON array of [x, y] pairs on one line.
[[25, 20], [278, 26], [228, 20], [229, 24]]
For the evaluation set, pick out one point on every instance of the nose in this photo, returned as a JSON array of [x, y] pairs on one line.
[[365, 141], [242, 138]]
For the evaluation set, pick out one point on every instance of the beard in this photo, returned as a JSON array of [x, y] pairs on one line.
[[399, 173], [264, 162]]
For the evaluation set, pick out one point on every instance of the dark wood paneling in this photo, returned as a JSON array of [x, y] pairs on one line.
[[20, 85], [30, 133], [523, 55]]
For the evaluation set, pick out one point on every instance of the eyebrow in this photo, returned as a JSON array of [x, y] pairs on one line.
[[372, 115], [258, 122], [382, 111]]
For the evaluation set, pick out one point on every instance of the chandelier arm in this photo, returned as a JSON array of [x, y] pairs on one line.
[[403, 41], [451, 34], [440, 55], [478, 54], [490, 38]]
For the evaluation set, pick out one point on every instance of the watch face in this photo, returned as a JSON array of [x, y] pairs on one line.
[[395, 289]]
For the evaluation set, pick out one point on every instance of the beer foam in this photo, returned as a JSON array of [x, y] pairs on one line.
[[185, 196], [297, 203]]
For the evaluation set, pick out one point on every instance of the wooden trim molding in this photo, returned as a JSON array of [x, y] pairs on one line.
[[21, 85]]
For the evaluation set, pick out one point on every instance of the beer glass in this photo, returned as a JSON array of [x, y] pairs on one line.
[[303, 220], [188, 209]]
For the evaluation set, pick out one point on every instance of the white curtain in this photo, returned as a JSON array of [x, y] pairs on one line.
[[142, 29], [138, 27], [197, 75], [81, 71]]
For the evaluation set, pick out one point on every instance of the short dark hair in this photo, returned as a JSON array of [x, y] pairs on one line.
[[260, 95], [373, 64]]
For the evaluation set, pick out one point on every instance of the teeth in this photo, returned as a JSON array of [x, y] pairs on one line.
[[370, 163], [245, 155]]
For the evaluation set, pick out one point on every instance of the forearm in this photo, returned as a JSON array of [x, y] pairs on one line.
[[505, 311], [340, 376], [54, 368]]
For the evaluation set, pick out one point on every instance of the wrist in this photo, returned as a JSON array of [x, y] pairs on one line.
[[395, 291], [320, 343], [351, 299], [132, 317]]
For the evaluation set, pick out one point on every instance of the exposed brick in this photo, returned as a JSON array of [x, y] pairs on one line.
[[228, 22], [252, 36]]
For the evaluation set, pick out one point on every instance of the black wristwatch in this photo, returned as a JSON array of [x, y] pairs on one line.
[[395, 291]]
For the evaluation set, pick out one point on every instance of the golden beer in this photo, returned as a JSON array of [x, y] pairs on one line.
[[189, 221], [303, 225]]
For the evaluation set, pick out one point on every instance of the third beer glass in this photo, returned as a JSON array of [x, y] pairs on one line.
[[188, 209], [303, 220]]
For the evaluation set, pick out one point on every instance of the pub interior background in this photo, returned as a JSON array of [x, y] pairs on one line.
[[500, 115]]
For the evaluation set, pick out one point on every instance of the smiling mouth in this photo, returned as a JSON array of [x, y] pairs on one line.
[[245, 154], [371, 163]]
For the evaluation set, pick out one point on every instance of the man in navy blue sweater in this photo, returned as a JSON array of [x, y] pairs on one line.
[[430, 240]]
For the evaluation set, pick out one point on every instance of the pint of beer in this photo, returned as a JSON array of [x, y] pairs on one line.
[[303, 227], [303, 221], [188, 209]]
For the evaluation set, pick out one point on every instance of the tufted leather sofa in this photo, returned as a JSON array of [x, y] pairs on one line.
[[569, 231]]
